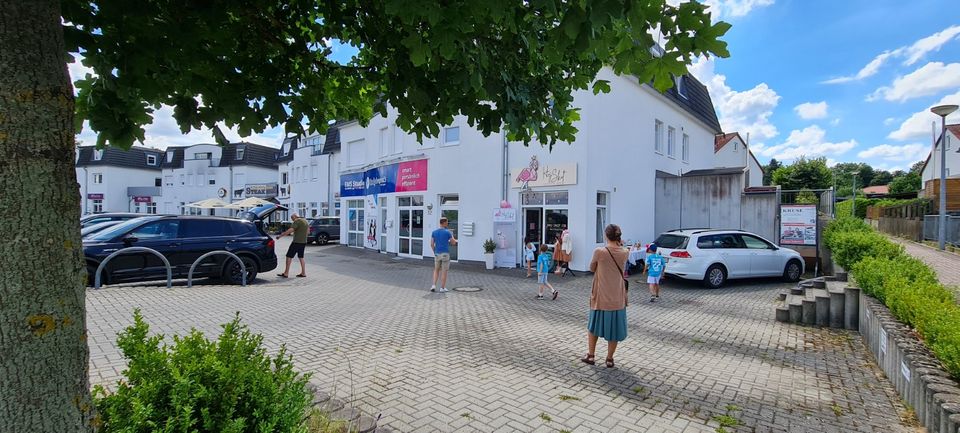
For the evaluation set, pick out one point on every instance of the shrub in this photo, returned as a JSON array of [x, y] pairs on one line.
[[197, 385], [849, 247], [916, 303], [872, 272], [843, 224]]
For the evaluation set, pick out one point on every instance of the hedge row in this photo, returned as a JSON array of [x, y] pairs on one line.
[[906, 285], [843, 208]]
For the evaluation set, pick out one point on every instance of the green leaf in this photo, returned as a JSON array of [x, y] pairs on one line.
[[601, 86]]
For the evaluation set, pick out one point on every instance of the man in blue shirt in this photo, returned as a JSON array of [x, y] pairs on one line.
[[655, 265], [440, 241]]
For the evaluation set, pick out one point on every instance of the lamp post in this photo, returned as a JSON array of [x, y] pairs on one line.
[[943, 111]]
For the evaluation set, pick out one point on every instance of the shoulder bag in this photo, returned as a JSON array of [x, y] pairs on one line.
[[626, 282]]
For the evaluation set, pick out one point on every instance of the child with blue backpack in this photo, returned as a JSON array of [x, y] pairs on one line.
[[655, 265]]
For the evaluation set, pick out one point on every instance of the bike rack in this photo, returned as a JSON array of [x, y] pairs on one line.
[[243, 268], [96, 279]]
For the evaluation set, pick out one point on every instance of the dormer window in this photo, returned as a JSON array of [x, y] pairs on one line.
[[240, 151], [681, 89], [151, 159], [97, 154], [202, 155], [169, 156]]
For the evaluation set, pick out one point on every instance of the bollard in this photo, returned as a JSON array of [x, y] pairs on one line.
[[823, 311], [836, 309], [796, 313], [809, 312], [783, 314], [851, 308]]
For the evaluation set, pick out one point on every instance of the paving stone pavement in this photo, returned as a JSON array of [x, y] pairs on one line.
[[497, 360], [946, 264]]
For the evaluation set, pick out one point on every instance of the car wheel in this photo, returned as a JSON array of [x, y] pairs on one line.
[[791, 272], [715, 276], [323, 239], [233, 275]]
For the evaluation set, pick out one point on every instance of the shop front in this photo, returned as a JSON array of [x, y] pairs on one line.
[[545, 199]]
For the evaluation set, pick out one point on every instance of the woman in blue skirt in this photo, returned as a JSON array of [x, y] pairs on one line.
[[608, 298]]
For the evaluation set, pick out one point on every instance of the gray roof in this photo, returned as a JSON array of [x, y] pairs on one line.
[[135, 157], [697, 101], [253, 154], [332, 143], [714, 172]]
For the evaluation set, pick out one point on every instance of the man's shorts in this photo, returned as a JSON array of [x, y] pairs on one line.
[[653, 280], [542, 278], [441, 262], [296, 250]]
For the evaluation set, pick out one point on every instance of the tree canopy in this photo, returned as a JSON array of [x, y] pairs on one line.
[[803, 174], [255, 64]]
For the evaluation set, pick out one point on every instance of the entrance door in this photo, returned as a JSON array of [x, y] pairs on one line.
[[449, 209], [533, 226], [356, 228], [383, 225], [411, 226]]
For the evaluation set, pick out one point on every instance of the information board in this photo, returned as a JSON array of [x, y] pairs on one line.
[[798, 224]]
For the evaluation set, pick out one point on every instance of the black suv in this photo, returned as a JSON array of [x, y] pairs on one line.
[[98, 218], [182, 240], [323, 230]]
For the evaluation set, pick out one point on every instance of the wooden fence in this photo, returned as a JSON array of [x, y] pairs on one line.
[[905, 220], [931, 190]]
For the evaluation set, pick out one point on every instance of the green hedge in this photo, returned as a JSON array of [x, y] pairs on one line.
[[843, 208], [906, 285]]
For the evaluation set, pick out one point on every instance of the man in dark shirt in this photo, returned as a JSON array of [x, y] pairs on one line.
[[300, 229]]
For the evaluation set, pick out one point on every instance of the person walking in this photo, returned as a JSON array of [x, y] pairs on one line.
[[608, 297], [655, 265], [440, 241], [543, 269], [528, 255], [299, 229]]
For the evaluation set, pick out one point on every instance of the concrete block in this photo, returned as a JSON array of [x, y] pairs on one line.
[[796, 313], [851, 309], [823, 311], [842, 276], [797, 291], [948, 410], [836, 309], [809, 307], [818, 283], [783, 314]]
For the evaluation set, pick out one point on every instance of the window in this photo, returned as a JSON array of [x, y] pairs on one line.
[[183, 210], [384, 141], [398, 140], [671, 142], [212, 180], [190, 179], [202, 155], [157, 182], [97, 154], [158, 230], [685, 148], [240, 151], [181, 180], [314, 171], [451, 136], [169, 156], [948, 143], [356, 152], [554, 198], [735, 145], [754, 243], [658, 137], [98, 178], [151, 208], [601, 215], [718, 241], [313, 209], [672, 241], [151, 159], [168, 180], [203, 228], [302, 209], [681, 89], [284, 178], [97, 206]]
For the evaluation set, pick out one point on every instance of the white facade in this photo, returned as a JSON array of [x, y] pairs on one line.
[[606, 176], [202, 177], [931, 170], [733, 153], [305, 180], [105, 188]]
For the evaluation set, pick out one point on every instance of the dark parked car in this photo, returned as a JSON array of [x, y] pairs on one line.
[[98, 227], [323, 230], [182, 240], [98, 218]]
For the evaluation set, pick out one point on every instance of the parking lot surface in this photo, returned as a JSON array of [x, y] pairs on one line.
[[489, 357]]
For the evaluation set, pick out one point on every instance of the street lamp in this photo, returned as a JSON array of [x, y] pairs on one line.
[[943, 111]]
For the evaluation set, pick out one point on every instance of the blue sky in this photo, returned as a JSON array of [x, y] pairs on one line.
[[849, 80]]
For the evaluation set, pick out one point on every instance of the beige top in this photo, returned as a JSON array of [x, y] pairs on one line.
[[608, 293]]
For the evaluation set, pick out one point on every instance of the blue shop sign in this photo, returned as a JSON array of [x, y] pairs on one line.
[[399, 177]]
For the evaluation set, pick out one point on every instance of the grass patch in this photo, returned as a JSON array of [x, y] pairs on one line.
[[545, 417], [319, 422], [837, 410], [467, 416], [732, 408], [564, 397], [639, 389], [726, 420], [698, 341]]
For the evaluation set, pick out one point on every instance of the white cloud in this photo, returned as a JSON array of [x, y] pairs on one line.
[[888, 152], [835, 122], [917, 126], [745, 111], [807, 142], [889, 121], [930, 79], [735, 8], [913, 53], [811, 110]]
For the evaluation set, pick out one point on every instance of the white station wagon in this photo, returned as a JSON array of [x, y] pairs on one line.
[[714, 256]]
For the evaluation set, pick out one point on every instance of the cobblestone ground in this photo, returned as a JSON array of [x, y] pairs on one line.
[[946, 264], [498, 360]]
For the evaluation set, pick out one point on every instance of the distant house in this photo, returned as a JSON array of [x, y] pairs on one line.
[[876, 191], [931, 166], [116, 180], [730, 151]]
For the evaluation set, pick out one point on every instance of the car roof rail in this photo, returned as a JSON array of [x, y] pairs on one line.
[[687, 228], [720, 230]]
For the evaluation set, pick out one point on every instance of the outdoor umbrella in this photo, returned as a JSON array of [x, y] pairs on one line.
[[210, 203], [248, 203]]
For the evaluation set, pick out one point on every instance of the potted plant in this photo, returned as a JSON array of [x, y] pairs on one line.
[[488, 248]]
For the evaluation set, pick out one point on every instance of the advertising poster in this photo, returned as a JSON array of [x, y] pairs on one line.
[[407, 176], [504, 235], [798, 224], [371, 227]]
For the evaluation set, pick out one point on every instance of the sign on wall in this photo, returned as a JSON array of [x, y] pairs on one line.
[[504, 227], [265, 190], [798, 224], [142, 199], [96, 196], [400, 177], [536, 174]]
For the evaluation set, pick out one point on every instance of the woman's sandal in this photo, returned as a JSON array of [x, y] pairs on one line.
[[609, 363], [589, 359]]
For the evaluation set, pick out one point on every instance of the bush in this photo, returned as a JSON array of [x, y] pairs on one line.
[[843, 224], [197, 385], [849, 247], [872, 273], [916, 303]]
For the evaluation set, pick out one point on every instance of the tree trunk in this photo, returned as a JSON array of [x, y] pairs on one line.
[[44, 383]]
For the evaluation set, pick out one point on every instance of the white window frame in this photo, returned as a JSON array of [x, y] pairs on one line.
[[397, 141], [151, 159], [384, 136], [604, 210], [658, 136], [314, 171], [685, 148], [203, 155], [356, 154], [671, 142], [183, 179], [98, 178], [444, 142], [97, 205], [97, 154], [240, 152], [681, 89], [152, 208]]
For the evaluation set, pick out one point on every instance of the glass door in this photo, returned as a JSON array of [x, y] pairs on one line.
[[383, 225], [533, 226], [410, 236], [449, 209], [355, 229]]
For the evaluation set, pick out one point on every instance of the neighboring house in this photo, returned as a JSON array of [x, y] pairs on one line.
[[931, 166], [231, 173], [876, 191], [395, 189], [307, 176], [730, 151], [115, 180]]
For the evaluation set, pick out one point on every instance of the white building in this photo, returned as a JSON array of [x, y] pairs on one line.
[[114, 180], [931, 166], [307, 174], [731, 151], [395, 189], [230, 173]]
